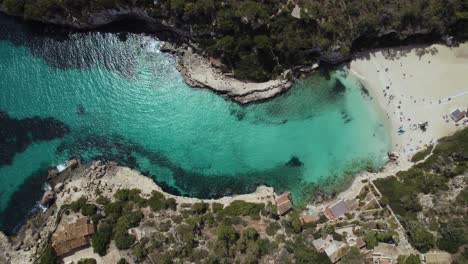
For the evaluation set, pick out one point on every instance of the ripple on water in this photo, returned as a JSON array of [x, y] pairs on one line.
[[125, 101]]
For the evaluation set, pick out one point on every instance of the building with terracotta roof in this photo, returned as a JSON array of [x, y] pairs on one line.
[[284, 203], [310, 218], [72, 236]]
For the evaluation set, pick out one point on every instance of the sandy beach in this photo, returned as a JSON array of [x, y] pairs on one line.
[[413, 85]]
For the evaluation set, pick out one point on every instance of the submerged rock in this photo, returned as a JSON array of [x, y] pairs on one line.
[[294, 162], [80, 110]]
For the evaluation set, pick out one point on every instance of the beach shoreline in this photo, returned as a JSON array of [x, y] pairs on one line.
[[368, 69], [414, 85]]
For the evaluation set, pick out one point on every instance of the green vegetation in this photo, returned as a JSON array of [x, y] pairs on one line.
[[431, 177], [242, 208], [258, 40], [411, 259], [157, 202], [422, 154], [353, 256], [48, 257], [87, 261]]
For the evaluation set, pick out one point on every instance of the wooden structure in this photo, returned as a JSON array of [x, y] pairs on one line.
[[72, 236]]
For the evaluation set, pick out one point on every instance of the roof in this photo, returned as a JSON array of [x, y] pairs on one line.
[[385, 261], [284, 207], [320, 243], [72, 236], [331, 249], [457, 115], [283, 198], [310, 218], [339, 209], [284, 203]]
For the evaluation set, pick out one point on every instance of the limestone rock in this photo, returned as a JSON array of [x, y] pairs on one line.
[[52, 174], [48, 198], [72, 164], [59, 187]]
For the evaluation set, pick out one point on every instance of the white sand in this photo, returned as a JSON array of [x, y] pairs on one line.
[[419, 91], [426, 85]]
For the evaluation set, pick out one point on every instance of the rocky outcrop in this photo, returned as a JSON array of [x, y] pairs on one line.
[[198, 71], [48, 198]]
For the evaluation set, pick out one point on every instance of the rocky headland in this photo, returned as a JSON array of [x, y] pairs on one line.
[[92, 180]]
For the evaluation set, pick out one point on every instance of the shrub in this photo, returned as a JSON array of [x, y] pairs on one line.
[[200, 208], [102, 200], [88, 209], [157, 202], [76, 205], [139, 251], [49, 256], [101, 238], [87, 261], [216, 207], [242, 208], [272, 228], [421, 154], [122, 261], [123, 240]]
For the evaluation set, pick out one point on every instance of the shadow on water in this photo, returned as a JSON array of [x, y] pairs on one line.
[[23, 202], [17, 134]]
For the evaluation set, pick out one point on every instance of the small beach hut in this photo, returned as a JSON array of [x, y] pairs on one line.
[[457, 115]]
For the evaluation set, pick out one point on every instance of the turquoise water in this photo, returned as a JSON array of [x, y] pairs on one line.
[[125, 101]]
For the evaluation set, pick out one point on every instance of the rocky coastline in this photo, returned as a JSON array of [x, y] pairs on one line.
[[83, 180], [200, 70]]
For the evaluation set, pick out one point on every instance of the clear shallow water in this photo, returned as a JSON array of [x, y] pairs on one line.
[[125, 101]]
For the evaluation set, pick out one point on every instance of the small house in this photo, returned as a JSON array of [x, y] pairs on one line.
[[284, 203], [336, 210], [457, 115], [72, 236]]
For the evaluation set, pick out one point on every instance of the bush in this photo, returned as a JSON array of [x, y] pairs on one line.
[[101, 238], [216, 207], [102, 200], [421, 154], [453, 236], [272, 228], [132, 195], [420, 238], [242, 208], [411, 259], [88, 209], [200, 208], [87, 261], [157, 202], [123, 240], [76, 205], [122, 261], [49, 256], [139, 251]]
